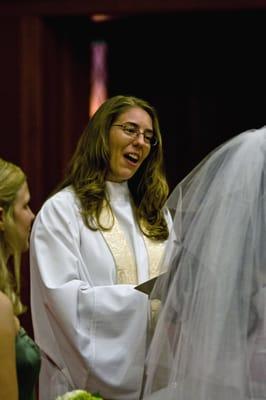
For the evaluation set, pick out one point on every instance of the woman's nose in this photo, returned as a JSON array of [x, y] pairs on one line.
[[140, 139]]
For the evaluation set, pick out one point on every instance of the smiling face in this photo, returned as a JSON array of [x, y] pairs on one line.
[[127, 153], [23, 216]]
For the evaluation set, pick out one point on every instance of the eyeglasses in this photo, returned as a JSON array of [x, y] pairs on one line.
[[133, 131]]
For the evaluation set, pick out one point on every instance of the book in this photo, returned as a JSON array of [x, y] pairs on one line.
[[147, 286]]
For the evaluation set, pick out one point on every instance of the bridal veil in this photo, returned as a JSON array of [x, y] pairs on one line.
[[210, 339]]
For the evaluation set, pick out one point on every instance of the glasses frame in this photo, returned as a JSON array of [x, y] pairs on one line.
[[137, 132]]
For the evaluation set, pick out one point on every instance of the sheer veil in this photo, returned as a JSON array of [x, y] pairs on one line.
[[210, 339]]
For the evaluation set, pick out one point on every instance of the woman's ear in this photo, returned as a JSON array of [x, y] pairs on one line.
[[2, 223]]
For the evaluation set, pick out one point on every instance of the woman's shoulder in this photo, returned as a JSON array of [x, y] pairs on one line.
[[6, 315], [65, 199], [60, 208], [63, 195], [5, 304]]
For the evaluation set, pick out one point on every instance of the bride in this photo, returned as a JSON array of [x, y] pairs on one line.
[[210, 340]]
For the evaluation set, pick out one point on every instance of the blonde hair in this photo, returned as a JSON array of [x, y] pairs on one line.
[[11, 180], [89, 165]]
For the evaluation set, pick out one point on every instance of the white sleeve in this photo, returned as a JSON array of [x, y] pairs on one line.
[[95, 333]]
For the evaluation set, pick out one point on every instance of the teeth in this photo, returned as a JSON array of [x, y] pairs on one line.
[[134, 156]]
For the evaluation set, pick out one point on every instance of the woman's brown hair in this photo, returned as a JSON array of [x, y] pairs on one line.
[[88, 168]]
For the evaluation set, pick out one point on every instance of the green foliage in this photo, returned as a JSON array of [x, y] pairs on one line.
[[79, 395]]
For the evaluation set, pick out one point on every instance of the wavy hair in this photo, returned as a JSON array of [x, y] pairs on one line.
[[11, 180], [88, 168]]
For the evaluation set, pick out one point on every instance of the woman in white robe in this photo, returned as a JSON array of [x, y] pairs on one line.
[[90, 248]]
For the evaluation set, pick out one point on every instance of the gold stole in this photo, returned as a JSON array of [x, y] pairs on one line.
[[124, 259]]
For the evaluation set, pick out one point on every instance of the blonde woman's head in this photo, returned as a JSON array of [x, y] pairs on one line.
[[15, 221]]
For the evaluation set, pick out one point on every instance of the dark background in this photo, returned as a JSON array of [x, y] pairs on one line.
[[201, 64]]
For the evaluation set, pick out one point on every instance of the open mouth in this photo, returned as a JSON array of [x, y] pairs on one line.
[[132, 157]]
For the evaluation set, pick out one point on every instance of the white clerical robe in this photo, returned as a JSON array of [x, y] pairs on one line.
[[89, 321]]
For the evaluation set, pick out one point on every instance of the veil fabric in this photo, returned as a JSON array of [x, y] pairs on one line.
[[210, 339]]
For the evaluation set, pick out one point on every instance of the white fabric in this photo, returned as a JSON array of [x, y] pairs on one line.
[[91, 331], [210, 340], [122, 208]]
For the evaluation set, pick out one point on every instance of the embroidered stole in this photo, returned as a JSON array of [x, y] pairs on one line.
[[124, 259]]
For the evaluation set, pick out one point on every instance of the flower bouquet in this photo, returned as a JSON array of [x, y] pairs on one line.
[[79, 395]]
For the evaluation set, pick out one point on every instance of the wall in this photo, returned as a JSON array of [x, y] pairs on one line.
[[203, 68]]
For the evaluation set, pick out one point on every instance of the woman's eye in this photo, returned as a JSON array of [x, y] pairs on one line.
[[130, 129]]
